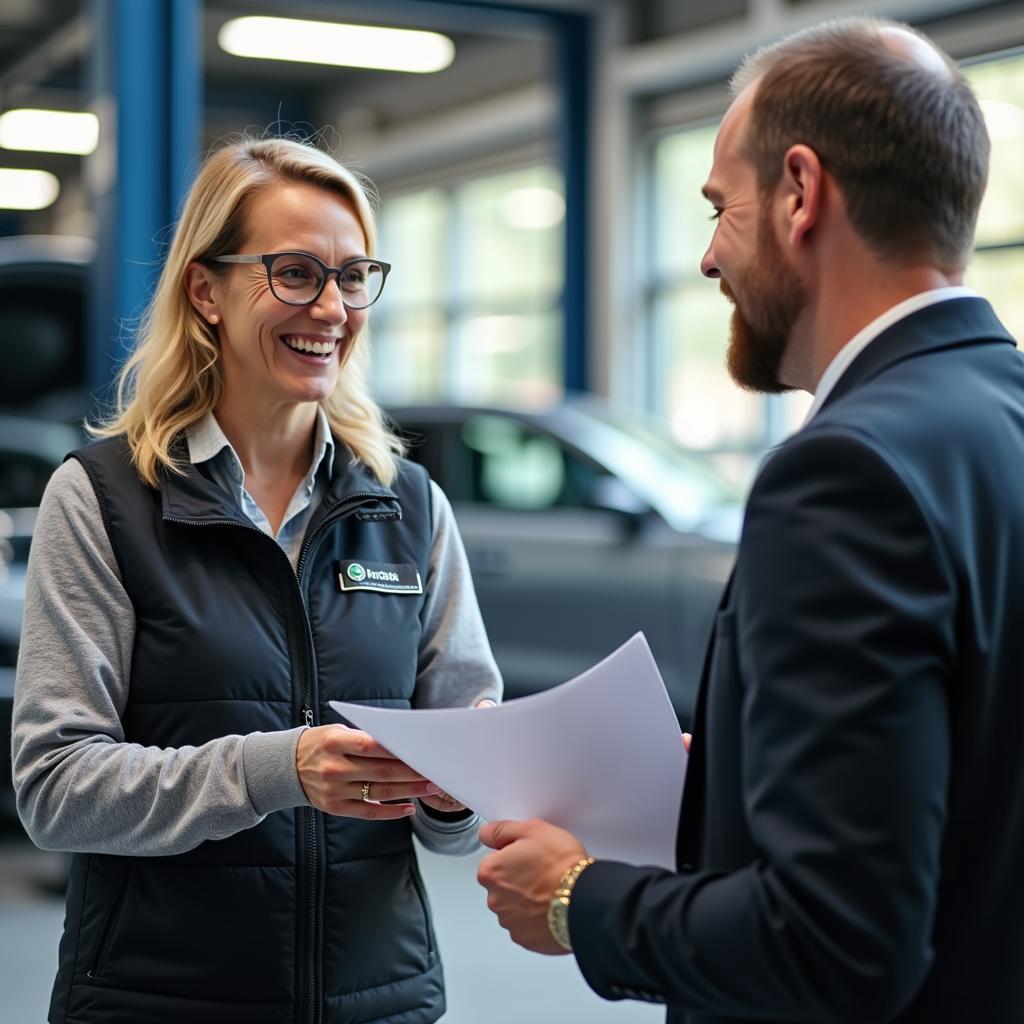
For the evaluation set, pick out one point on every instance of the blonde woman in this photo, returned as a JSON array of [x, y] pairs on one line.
[[245, 544]]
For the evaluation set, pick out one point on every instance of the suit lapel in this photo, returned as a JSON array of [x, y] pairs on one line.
[[688, 836]]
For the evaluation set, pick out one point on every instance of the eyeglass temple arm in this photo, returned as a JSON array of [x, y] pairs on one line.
[[238, 259]]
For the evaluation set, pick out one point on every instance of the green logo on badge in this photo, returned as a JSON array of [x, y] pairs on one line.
[[356, 572]]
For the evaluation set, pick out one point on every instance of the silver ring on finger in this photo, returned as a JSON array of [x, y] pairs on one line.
[[366, 793]]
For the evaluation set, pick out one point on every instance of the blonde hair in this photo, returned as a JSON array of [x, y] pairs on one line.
[[174, 376]]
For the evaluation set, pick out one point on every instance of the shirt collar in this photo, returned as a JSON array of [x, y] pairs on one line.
[[845, 356], [206, 440]]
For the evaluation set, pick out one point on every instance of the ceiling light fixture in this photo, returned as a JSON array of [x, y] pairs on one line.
[[323, 42], [49, 131], [27, 190]]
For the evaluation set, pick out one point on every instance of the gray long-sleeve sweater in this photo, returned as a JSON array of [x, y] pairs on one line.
[[81, 787]]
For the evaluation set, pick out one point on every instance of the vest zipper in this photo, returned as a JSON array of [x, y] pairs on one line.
[[340, 511], [344, 508]]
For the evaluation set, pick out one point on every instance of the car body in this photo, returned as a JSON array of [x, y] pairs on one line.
[[582, 527]]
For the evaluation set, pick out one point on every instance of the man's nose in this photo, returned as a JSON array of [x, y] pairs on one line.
[[708, 266]]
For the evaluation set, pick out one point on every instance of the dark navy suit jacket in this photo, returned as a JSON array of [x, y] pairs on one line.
[[851, 846]]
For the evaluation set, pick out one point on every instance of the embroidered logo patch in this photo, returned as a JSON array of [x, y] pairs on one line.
[[402, 578]]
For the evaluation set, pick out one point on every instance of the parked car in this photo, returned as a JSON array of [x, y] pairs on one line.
[[582, 527]]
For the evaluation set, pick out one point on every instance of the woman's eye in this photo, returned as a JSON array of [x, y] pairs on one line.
[[293, 273]]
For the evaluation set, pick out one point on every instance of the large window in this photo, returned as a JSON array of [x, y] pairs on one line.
[[472, 310], [997, 269], [688, 324], [688, 320]]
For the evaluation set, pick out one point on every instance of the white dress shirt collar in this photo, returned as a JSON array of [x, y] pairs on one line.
[[845, 356]]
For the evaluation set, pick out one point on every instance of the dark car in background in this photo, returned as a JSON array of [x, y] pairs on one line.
[[42, 400], [30, 450], [582, 527]]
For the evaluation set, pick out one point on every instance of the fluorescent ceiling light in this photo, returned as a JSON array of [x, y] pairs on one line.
[[27, 190], [49, 131], [324, 42], [532, 209]]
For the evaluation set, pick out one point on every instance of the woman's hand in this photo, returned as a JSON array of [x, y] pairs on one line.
[[336, 764]]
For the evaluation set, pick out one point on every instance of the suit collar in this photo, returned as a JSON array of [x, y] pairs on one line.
[[950, 324]]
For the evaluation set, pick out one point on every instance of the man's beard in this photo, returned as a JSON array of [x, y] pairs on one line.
[[773, 297]]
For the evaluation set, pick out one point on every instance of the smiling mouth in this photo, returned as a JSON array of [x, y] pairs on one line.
[[323, 347]]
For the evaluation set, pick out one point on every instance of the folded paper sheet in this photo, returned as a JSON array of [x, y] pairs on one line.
[[600, 755]]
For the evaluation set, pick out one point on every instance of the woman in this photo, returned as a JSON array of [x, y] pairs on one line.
[[244, 546]]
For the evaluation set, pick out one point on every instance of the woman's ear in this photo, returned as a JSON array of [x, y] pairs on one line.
[[199, 285]]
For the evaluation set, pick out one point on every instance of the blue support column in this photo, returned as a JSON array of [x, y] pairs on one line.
[[574, 58], [146, 85]]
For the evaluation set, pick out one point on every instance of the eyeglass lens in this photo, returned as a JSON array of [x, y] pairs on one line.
[[297, 279]]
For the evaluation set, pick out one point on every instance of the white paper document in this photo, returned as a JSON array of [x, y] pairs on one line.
[[600, 755]]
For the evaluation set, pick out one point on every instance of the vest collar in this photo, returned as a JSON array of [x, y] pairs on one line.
[[192, 496]]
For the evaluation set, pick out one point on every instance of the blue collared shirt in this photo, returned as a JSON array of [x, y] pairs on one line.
[[208, 443]]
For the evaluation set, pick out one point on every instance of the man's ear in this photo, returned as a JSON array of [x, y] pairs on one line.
[[199, 285], [801, 192]]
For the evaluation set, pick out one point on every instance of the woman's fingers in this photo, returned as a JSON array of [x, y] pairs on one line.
[[443, 802], [339, 739], [333, 763], [370, 791]]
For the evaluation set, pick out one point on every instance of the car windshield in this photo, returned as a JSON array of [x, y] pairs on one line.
[[712, 488]]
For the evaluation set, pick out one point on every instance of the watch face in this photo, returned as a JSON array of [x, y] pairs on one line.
[[558, 921]]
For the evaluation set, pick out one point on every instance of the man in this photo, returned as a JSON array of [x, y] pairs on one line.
[[852, 834]]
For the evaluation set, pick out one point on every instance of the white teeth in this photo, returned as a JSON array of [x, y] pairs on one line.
[[316, 348]]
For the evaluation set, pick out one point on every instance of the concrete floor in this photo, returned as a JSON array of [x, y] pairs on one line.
[[490, 981]]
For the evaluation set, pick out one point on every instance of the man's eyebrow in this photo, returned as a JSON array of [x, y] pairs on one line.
[[712, 195]]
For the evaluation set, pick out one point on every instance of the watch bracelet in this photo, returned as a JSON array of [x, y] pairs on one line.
[[558, 908], [568, 880]]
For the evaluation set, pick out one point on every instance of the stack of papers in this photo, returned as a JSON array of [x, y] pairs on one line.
[[600, 755]]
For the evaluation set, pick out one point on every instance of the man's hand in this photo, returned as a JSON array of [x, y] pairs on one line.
[[523, 875]]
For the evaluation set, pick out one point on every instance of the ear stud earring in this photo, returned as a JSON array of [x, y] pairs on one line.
[[214, 318]]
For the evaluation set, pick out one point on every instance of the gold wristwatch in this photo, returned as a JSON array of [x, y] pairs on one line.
[[558, 908]]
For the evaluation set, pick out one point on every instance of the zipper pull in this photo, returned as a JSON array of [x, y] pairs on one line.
[[309, 717]]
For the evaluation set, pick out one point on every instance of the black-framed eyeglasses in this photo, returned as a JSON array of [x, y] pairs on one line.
[[298, 278]]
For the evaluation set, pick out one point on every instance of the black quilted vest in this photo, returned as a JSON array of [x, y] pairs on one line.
[[305, 918]]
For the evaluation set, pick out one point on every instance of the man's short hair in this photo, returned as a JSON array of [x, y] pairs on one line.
[[905, 142]]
